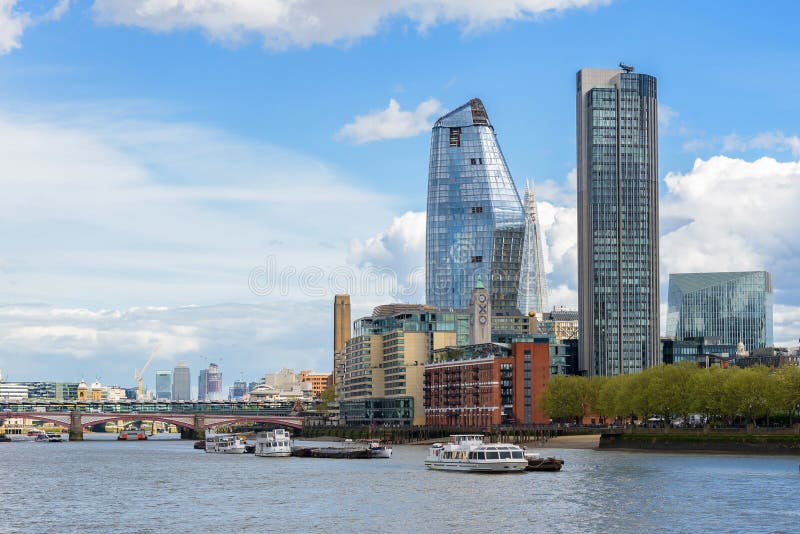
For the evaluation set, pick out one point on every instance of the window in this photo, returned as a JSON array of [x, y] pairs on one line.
[[516, 454], [455, 136], [505, 455], [492, 455], [477, 209], [476, 259]]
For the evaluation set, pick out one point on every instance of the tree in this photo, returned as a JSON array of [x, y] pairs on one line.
[[564, 397]]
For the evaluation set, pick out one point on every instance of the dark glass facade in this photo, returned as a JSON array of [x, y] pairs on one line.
[[617, 126], [475, 220], [735, 307]]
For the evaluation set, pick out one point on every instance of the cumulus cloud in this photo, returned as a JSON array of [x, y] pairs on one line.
[[14, 21], [285, 23], [401, 250], [777, 141], [390, 123], [735, 216]]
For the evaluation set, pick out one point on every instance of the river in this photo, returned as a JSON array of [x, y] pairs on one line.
[[167, 486]]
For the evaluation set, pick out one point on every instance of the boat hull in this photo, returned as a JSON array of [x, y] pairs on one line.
[[274, 454], [478, 467], [381, 453]]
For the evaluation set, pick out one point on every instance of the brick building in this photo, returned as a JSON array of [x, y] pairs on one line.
[[487, 384]]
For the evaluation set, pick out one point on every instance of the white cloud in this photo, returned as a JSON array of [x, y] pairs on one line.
[[12, 24], [401, 249], [390, 123], [665, 115], [14, 21], [777, 141], [285, 23], [43, 342], [787, 325], [737, 215]]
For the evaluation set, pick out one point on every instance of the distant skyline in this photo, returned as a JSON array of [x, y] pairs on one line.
[[160, 156]]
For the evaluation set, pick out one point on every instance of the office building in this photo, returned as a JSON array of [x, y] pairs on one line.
[[532, 279], [164, 385], [209, 384], [238, 390], [487, 384], [704, 351], [181, 382], [735, 307], [475, 221], [385, 358], [617, 145], [319, 381]]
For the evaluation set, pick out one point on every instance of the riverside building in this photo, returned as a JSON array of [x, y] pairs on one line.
[[475, 221], [487, 384], [734, 307], [384, 362], [617, 150]]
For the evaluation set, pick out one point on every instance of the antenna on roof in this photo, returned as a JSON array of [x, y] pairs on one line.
[[626, 68]]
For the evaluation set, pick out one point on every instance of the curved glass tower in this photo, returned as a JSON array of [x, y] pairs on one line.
[[475, 221]]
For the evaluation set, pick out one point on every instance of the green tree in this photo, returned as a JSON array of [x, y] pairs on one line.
[[563, 400]]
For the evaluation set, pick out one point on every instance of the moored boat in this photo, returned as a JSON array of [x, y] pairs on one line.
[[49, 437], [132, 435], [275, 443], [536, 462], [468, 452], [226, 444], [379, 450]]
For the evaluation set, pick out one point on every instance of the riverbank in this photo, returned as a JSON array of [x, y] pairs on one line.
[[738, 443], [585, 441]]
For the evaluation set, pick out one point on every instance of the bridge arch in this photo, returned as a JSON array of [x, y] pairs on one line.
[[186, 421]]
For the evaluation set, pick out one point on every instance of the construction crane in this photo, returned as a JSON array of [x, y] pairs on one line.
[[137, 374]]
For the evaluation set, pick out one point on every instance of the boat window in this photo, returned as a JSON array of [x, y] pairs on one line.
[[516, 454], [492, 455], [481, 455], [505, 454], [473, 456]]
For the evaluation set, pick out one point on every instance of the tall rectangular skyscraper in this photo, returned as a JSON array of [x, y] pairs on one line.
[[164, 385], [617, 143], [475, 224], [181, 382], [735, 307]]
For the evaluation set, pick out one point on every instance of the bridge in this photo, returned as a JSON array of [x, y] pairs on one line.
[[195, 417]]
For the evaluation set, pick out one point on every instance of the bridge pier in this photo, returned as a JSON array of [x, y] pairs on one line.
[[199, 426], [75, 427]]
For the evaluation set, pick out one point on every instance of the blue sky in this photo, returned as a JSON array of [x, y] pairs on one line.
[[158, 152]]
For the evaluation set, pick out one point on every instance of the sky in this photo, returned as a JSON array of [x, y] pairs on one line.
[[201, 177]]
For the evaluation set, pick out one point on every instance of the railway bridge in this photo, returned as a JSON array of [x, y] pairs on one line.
[[194, 418]]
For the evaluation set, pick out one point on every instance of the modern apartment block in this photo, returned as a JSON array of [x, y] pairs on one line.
[[475, 220], [319, 381], [385, 358], [488, 384], [617, 145], [735, 307]]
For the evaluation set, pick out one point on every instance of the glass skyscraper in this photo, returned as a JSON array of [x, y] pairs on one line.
[[181, 382], [475, 220], [532, 280], [735, 307], [164, 385], [617, 144]]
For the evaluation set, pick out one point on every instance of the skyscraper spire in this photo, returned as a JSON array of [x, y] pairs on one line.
[[532, 280]]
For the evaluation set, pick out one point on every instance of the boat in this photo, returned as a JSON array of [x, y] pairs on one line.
[[49, 437], [536, 462], [4, 438], [33, 433], [379, 450], [468, 452], [132, 435], [226, 444], [341, 452], [275, 443]]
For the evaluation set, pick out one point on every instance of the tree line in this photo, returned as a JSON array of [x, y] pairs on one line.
[[677, 392]]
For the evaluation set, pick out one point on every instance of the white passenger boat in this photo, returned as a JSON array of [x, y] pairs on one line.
[[379, 450], [468, 452], [275, 443], [226, 444]]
